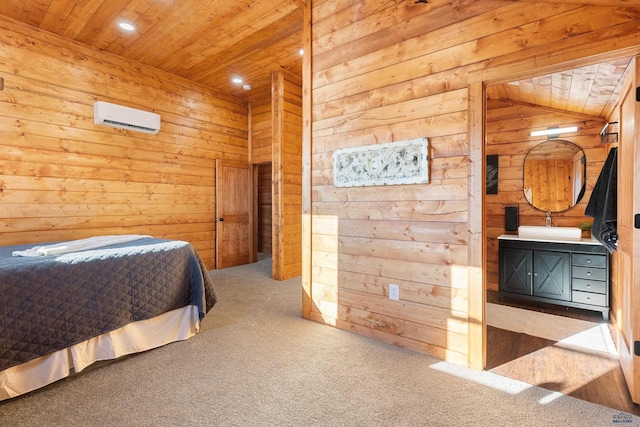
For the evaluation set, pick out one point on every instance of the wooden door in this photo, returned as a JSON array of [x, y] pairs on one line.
[[234, 214], [628, 251]]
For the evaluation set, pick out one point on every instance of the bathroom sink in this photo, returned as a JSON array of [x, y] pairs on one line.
[[535, 232]]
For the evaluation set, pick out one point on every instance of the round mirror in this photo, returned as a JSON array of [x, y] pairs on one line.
[[554, 175]]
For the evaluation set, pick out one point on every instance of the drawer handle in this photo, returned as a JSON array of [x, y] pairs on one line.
[[588, 273], [589, 261], [588, 286]]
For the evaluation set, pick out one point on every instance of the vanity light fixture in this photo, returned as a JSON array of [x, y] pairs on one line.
[[554, 131]]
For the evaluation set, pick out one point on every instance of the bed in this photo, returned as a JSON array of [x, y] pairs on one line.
[[66, 305]]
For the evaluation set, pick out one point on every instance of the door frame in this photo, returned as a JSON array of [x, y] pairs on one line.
[[627, 253], [477, 84]]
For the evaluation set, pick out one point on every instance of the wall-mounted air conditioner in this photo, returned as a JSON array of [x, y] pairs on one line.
[[118, 116]]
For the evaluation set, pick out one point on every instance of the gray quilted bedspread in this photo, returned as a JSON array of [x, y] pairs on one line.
[[48, 303]]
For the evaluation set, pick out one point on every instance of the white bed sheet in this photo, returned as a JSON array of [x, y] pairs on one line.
[[176, 325]]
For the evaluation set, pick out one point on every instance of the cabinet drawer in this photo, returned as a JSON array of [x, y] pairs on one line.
[[589, 298], [589, 286], [589, 273], [589, 260]]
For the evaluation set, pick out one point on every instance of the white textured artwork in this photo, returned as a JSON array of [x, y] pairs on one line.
[[402, 162]]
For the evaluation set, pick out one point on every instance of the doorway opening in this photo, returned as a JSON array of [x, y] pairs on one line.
[[541, 343], [263, 173]]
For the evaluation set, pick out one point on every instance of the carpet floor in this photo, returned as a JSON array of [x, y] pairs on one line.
[[256, 362]]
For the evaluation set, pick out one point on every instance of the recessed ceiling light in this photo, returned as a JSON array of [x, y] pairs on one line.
[[237, 80], [126, 26]]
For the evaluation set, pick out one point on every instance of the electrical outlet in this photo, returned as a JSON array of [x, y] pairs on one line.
[[394, 292]]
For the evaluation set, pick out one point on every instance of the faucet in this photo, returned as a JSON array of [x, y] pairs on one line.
[[548, 221]]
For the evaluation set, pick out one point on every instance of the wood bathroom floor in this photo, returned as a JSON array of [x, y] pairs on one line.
[[584, 373]]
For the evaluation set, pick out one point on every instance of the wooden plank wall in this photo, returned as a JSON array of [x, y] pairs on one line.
[[265, 210], [508, 135], [287, 164], [389, 71], [261, 133], [262, 156], [62, 177]]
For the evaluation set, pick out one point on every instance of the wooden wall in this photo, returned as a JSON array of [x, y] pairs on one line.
[[261, 133], [389, 71], [62, 177], [508, 135], [265, 209], [262, 155], [287, 165], [276, 140]]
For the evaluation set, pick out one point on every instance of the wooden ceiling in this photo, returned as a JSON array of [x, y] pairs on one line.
[[207, 41], [211, 41], [592, 90]]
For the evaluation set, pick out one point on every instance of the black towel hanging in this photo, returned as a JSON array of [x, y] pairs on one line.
[[603, 204]]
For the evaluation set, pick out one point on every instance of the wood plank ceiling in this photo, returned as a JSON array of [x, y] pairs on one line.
[[207, 41], [211, 41], [592, 90]]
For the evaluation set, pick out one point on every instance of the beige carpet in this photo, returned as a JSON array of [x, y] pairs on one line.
[[258, 363]]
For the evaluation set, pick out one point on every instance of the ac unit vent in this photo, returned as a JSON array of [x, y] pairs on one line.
[[118, 116]]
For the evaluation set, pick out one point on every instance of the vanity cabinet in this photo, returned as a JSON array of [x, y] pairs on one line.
[[568, 274]]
